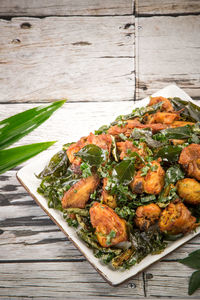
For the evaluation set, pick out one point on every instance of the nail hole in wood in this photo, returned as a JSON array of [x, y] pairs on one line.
[[149, 276], [132, 285], [16, 41], [1, 231], [25, 25]]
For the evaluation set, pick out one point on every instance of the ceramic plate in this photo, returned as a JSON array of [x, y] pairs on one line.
[[27, 178]]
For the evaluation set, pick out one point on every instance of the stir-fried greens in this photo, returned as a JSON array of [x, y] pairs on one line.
[[132, 186]]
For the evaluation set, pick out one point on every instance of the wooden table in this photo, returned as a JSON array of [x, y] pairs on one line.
[[99, 55]]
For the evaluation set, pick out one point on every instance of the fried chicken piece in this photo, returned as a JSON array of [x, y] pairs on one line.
[[181, 124], [103, 141], [110, 228], [152, 183], [129, 125], [123, 147], [176, 218], [78, 195], [108, 199], [147, 215], [166, 104], [190, 160], [177, 142], [189, 190], [163, 118]]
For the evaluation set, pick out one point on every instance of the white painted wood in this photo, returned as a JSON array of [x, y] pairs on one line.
[[167, 50], [161, 7], [65, 280], [65, 7], [79, 58]]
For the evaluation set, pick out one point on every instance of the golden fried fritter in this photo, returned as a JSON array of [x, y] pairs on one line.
[[103, 140], [176, 218], [181, 124], [163, 118], [190, 160], [123, 147], [108, 199], [147, 215], [129, 125], [110, 228], [79, 193], [166, 104], [189, 190], [152, 183]]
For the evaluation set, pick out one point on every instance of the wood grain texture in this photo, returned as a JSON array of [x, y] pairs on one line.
[[66, 280], [167, 7], [79, 58], [65, 7], [167, 50]]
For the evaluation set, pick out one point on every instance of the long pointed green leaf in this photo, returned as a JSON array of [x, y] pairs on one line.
[[14, 128], [12, 157]]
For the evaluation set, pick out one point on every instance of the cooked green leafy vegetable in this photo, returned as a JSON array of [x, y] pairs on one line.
[[92, 154], [190, 111]]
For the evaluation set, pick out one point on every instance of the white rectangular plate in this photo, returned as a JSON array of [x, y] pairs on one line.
[[27, 178]]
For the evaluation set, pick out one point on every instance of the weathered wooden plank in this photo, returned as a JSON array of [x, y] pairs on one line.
[[65, 7], [165, 7], [168, 279], [79, 58], [168, 52], [71, 280]]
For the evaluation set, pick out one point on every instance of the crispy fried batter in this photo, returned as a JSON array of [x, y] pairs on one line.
[[163, 118], [147, 215], [152, 183], [105, 220], [181, 124], [79, 193], [189, 190], [103, 140], [166, 106], [129, 125], [176, 218], [108, 199], [123, 147], [190, 160]]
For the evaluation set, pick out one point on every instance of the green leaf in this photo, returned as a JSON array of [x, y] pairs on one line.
[[10, 158], [14, 128], [124, 171], [92, 154], [169, 153], [57, 165], [192, 260], [194, 282], [147, 135], [179, 133], [191, 111], [173, 174]]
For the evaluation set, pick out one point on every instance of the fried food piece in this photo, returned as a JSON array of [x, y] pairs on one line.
[[163, 118], [129, 125], [152, 183], [103, 140], [166, 104], [147, 215], [189, 190], [190, 160], [78, 195], [181, 124], [110, 228], [108, 199], [177, 142], [176, 218], [74, 148], [123, 147]]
